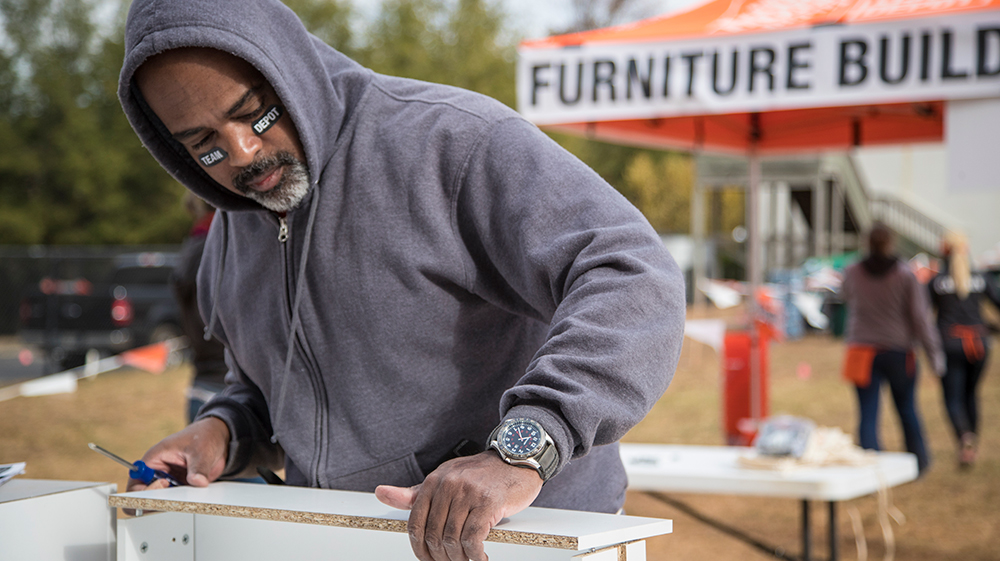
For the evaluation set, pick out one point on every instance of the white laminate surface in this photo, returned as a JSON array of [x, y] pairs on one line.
[[716, 470], [563, 528], [50, 519]]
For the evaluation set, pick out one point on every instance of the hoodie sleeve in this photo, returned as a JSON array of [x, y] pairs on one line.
[[549, 238], [242, 407]]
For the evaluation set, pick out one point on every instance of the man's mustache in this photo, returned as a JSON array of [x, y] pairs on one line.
[[259, 167]]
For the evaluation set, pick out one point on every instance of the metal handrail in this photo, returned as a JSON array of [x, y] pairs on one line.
[[909, 222]]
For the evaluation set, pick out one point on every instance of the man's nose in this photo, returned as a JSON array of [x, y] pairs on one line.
[[244, 145]]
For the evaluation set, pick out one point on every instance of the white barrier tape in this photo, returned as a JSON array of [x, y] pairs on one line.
[[66, 381]]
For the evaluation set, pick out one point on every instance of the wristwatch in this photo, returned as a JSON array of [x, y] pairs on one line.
[[523, 442]]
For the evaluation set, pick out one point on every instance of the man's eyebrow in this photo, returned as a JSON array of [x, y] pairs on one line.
[[255, 91], [185, 134]]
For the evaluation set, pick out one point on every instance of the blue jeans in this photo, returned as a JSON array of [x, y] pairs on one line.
[[892, 367], [959, 385]]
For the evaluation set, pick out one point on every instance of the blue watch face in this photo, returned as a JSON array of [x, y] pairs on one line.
[[521, 439]]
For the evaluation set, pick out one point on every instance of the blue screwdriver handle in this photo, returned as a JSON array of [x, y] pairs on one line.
[[146, 474]]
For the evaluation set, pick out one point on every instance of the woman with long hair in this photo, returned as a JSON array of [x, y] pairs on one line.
[[957, 292]]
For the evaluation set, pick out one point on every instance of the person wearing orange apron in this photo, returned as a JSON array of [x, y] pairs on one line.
[[888, 313], [957, 293]]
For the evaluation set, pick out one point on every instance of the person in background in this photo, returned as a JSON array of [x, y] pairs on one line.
[[957, 293], [887, 313], [207, 356]]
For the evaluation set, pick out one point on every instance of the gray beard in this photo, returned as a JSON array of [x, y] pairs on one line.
[[288, 194]]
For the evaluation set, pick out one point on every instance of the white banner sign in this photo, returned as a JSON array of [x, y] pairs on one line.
[[926, 59]]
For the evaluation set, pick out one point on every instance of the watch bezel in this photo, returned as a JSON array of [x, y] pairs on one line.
[[508, 425]]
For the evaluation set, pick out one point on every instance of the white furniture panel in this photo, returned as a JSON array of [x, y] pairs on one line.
[[48, 519], [241, 521], [163, 536]]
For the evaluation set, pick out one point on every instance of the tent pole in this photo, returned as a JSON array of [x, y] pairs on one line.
[[698, 235], [754, 277]]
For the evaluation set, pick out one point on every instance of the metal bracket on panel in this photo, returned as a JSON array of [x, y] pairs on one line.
[[607, 554], [631, 551], [160, 536]]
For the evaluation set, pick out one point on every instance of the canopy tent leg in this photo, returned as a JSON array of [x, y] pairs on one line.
[[806, 533], [699, 257], [754, 278]]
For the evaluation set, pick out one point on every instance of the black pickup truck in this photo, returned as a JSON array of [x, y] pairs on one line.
[[134, 307]]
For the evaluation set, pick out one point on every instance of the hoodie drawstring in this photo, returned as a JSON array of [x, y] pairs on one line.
[[296, 319], [217, 282]]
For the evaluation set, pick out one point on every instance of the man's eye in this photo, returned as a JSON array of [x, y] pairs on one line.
[[253, 114], [201, 143]]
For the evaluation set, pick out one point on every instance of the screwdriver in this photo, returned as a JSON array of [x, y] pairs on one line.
[[138, 470]]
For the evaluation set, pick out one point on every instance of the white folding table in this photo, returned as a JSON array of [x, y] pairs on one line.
[[245, 522], [716, 470]]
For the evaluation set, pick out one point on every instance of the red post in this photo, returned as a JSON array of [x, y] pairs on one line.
[[739, 416]]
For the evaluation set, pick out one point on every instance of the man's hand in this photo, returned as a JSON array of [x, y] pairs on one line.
[[453, 510], [196, 455]]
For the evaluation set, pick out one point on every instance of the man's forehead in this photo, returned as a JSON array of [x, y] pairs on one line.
[[177, 82], [192, 58]]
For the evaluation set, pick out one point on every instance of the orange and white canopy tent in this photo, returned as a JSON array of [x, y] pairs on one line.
[[767, 76]]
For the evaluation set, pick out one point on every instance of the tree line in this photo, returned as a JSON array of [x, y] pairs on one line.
[[73, 172]]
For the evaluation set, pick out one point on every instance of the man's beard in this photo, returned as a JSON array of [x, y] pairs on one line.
[[290, 190]]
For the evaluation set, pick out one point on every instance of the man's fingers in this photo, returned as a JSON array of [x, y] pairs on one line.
[[416, 526], [196, 479], [460, 501], [203, 466], [136, 485], [199, 463], [158, 484], [440, 535], [397, 497], [200, 451], [454, 529], [477, 528]]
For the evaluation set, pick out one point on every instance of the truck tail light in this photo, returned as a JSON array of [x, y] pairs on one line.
[[121, 312]]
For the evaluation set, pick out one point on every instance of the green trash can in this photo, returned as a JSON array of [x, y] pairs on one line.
[[836, 310]]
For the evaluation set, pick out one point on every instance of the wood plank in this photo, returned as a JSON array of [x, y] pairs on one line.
[[539, 527]]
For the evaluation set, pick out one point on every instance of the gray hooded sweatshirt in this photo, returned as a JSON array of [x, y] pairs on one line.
[[450, 267]]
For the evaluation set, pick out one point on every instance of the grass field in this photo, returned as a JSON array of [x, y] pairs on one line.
[[950, 514]]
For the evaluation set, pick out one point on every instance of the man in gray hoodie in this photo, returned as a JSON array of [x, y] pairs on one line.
[[400, 272]]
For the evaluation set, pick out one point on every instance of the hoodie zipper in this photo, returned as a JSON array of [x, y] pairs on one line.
[[317, 382], [282, 229]]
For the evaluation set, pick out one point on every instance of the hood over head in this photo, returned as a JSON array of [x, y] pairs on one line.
[[317, 85], [879, 265]]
